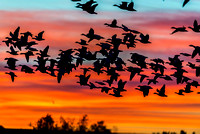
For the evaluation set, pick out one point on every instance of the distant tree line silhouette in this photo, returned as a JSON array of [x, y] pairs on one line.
[[181, 132], [47, 125]]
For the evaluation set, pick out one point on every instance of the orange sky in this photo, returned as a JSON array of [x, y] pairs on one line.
[[33, 96]]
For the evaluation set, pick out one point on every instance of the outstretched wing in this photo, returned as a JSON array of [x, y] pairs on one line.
[[16, 33], [185, 2], [46, 49], [91, 32], [194, 53], [195, 24], [142, 36], [130, 5], [114, 22], [162, 90]]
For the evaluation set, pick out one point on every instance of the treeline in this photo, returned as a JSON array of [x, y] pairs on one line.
[[47, 125], [67, 126], [181, 132]]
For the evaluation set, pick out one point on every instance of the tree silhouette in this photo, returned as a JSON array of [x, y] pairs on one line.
[[82, 124], [2, 129], [183, 132], [67, 125], [99, 127], [45, 123]]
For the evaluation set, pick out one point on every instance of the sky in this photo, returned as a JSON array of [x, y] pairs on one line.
[[32, 96]]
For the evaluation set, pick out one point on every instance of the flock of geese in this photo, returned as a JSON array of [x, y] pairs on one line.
[[104, 61], [91, 5]]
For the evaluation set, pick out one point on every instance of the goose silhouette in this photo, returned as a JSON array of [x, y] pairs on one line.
[[144, 89], [12, 51], [92, 36], [144, 38], [116, 93], [180, 92], [113, 24], [39, 37], [89, 6], [12, 75], [123, 5], [196, 50], [179, 29], [161, 92], [196, 26], [14, 36]]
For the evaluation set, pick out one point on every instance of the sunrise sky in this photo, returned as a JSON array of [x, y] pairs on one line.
[[32, 96]]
